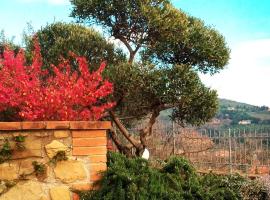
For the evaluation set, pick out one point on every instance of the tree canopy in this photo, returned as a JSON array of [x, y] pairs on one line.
[[162, 32], [59, 39], [167, 49]]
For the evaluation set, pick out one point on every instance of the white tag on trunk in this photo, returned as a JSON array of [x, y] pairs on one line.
[[146, 154]]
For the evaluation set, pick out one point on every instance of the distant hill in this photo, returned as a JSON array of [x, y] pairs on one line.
[[237, 113], [231, 103], [233, 113]]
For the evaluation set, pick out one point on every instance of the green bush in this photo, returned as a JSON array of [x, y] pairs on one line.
[[135, 179], [128, 179], [222, 187], [232, 187], [254, 190]]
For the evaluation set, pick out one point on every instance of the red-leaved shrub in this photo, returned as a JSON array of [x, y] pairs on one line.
[[65, 95]]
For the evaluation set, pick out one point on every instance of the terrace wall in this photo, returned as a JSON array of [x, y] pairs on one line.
[[67, 156]]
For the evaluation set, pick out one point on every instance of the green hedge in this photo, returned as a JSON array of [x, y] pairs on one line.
[[135, 179]]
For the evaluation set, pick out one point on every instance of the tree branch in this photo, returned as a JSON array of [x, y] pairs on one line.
[[132, 53], [122, 39], [131, 57], [148, 129], [123, 149], [124, 131]]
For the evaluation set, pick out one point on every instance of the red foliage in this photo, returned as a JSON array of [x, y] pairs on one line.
[[67, 95]]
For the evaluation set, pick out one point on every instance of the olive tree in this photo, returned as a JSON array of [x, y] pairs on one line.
[[167, 48]]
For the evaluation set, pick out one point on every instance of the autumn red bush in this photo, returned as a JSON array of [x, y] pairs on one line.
[[65, 95]]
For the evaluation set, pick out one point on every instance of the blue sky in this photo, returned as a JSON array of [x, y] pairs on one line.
[[244, 23], [236, 19], [15, 14], [246, 27]]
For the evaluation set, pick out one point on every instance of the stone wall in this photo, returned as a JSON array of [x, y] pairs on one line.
[[48, 160]]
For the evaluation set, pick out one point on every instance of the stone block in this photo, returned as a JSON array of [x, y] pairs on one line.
[[42, 134], [3, 187], [26, 167], [30, 190], [8, 171], [88, 133], [98, 167], [81, 187], [33, 125], [89, 142], [84, 151], [102, 125], [70, 171], [60, 193], [43, 198], [61, 133], [57, 125], [20, 133], [54, 147], [10, 125], [98, 159], [32, 148]]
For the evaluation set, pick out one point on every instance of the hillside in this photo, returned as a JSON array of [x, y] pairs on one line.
[[233, 113], [231, 103]]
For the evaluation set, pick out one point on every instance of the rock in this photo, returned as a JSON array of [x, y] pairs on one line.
[[29, 190], [54, 147], [26, 167], [32, 148], [42, 134], [43, 198], [70, 171], [61, 134], [20, 134], [3, 187], [60, 193], [8, 171], [82, 186]]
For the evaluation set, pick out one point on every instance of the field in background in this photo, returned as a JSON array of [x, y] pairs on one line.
[[245, 151]]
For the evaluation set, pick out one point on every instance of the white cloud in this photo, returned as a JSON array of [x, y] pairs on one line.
[[54, 2], [247, 77]]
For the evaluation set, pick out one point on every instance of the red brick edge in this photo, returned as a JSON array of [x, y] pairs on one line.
[[71, 125]]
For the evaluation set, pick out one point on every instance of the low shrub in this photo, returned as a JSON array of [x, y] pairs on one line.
[[135, 179], [222, 187], [128, 179], [254, 190], [31, 93]]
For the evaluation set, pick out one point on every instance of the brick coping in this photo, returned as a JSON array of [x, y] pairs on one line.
[[48, 125]]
